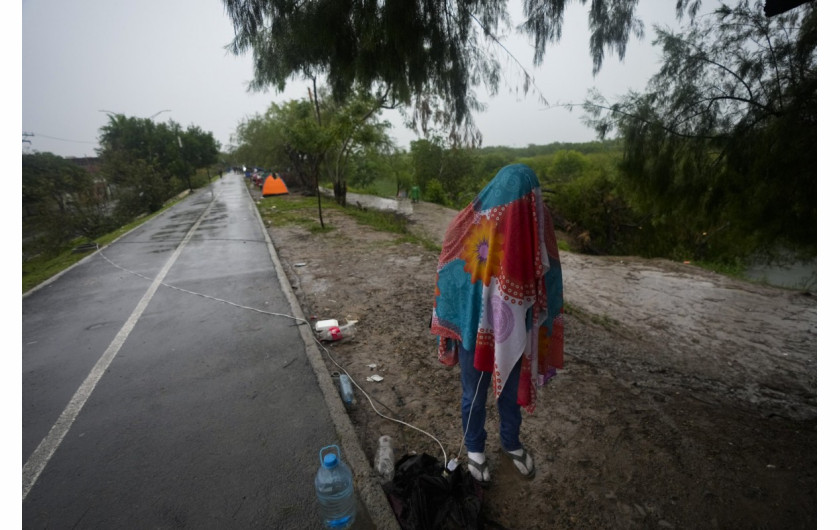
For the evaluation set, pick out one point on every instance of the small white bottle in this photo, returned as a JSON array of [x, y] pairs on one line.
[[383, 463]]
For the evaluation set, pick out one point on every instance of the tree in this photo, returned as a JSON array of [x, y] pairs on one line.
[[724, 139], [61, 201], [458, 175], [286, 136], [427, 161], [196, 149], [142, 158], [353, 128], [385, 164], [588, 203], [453, 173], [427, 55], [308, 134], [568, 165], [50, 183], [262, 141]]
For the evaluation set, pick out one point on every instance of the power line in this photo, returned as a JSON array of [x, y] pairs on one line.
[[60, 139]]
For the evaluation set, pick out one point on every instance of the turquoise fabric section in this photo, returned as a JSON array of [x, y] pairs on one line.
[[460, 310], [511, 183], [554, 286]]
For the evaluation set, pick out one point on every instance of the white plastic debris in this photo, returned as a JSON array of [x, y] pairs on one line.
[[322, 325], [375, 378]]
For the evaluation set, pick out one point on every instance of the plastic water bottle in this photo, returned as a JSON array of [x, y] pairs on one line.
[[346, 388], [334, 488], [384, 460]]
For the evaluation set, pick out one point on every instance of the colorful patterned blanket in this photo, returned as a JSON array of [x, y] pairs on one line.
[[499, 287]]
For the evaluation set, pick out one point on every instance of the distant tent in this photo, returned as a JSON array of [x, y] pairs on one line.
[[274, 185]]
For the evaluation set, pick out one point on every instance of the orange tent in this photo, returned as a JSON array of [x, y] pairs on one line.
[[274, 185]]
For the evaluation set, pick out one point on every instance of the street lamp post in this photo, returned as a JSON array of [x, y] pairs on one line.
[[158, 112], [112, 113]]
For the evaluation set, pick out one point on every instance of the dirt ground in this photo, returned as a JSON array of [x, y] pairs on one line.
[[688, 399]]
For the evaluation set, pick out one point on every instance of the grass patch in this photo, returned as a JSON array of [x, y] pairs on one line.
[[295, 210], [430, 245], [389, 222], [604, 321], [381, 187], [40, 268], [393, 223], [734, 270], [383, 221], [571, 309], [303, 211]]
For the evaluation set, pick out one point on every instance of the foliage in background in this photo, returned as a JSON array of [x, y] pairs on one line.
[[584, 193], [149, 162], [141, 165], [354, 126], [446, 176], [61, 201], [305, 139], [385, 173], [720, 150], [268, 141], [423, 56], [39, 268], [714, 162]]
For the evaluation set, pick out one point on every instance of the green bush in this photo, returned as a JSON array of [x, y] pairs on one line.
[[435, 192]]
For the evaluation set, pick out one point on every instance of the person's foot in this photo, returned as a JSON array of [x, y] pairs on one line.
[[523, 462], [477, 464]]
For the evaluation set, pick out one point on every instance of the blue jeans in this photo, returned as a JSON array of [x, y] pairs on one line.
[[510, 415]]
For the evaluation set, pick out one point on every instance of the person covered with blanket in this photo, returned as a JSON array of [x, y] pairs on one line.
[[498, 310]]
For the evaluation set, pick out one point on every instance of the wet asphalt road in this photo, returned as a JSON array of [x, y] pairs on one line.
[[206, 414]]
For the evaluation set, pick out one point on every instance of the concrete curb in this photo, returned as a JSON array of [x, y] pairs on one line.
[[367, 484]]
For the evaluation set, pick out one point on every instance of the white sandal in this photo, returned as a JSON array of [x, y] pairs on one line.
[[524, 463], [480, 472]]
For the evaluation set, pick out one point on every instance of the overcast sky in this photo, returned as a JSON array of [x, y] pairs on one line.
[[140, 58]]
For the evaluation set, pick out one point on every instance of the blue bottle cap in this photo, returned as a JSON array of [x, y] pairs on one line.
[[330, 461]]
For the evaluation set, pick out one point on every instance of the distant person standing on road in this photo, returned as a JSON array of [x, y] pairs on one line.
[[498, 309], [415, 194]]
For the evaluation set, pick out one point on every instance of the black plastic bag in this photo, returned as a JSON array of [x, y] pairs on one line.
[[423, 497]]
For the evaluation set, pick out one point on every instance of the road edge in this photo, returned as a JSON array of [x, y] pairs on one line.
[[368, 489]]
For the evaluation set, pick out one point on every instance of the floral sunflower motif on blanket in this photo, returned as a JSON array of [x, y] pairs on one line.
[[482, 251]]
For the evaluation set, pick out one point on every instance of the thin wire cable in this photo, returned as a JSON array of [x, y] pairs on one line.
[[326, 350], [469, 416], [234, 304], [37, 135], [362, 390]]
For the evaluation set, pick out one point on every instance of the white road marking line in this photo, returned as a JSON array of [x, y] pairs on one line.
[[45, 450]]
